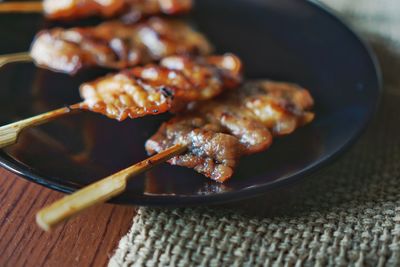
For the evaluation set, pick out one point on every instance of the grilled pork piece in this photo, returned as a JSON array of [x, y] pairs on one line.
[[133, 10], [116, 45], [154, 89], [241, 122]]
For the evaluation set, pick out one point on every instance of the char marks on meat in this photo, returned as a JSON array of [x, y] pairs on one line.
[[218, 132], [154, 89], [131, 10], [116, 45]]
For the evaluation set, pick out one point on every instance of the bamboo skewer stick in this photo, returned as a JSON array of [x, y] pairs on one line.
[[100, 191], [9, 133], [21, 7], [17, 57]]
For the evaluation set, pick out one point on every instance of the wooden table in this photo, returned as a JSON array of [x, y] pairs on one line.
[[87, 240]]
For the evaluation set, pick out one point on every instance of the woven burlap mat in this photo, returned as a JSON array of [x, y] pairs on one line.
[[349, 215]]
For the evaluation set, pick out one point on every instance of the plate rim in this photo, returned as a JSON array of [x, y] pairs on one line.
[[24, 171]]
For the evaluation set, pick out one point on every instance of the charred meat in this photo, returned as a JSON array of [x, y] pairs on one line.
[[169, 85], [116, 45], [132, 10], [241, 122]]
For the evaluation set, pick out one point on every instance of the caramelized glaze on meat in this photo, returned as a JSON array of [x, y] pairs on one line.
[[133, 10], [240, 122], [116, 45], [154, 89]]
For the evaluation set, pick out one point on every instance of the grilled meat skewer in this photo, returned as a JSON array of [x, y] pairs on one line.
[[149, 90], [242, 122], [154, 89], [128, 10], [115, 45]]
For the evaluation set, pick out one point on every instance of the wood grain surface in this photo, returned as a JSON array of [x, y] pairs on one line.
[[87, 240]]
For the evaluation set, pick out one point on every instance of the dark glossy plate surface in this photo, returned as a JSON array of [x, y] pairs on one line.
[[287, 40]]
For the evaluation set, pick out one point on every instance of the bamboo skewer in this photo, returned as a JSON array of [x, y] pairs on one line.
[[17, 57], [21, 7], [9, 133], [100, 191]]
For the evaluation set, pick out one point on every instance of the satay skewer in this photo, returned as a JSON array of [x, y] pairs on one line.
[[100, 191], [131, 11], [21, 7], [111, 45], [148, 90]]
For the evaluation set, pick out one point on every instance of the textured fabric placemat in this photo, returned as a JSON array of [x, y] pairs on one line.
[[349, 215]]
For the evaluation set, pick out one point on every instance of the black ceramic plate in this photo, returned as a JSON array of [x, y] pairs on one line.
[[295, 41]]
